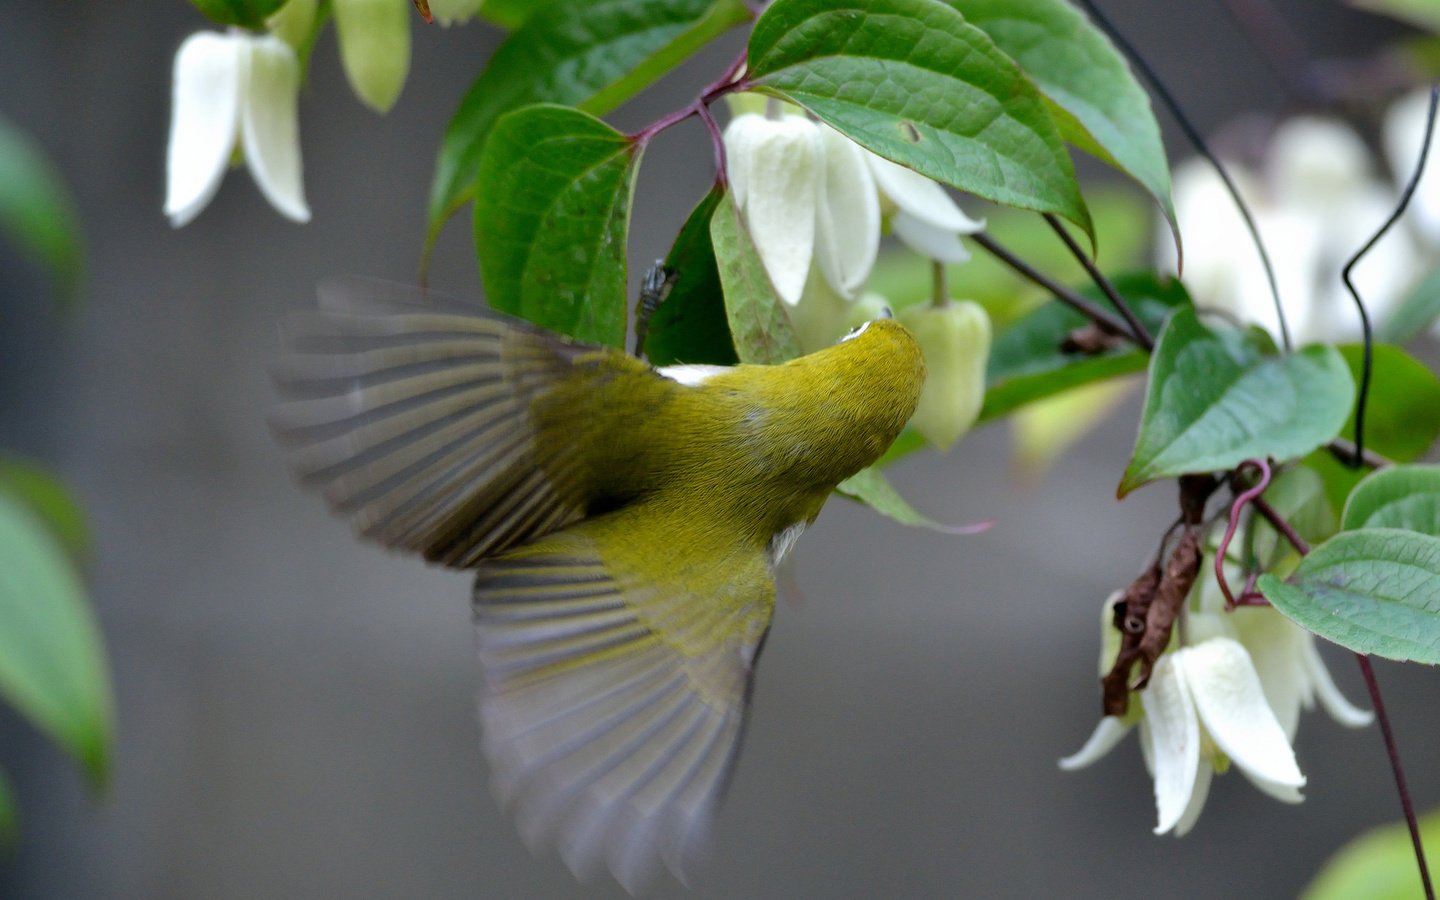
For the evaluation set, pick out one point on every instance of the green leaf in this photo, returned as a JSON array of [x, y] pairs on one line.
[[592, 54], [51, 501], [1396, 497], [1374, 591], [914, 82], [1028, 364], [244, 13], [36, 212], [1298, 495], [1402, 416], [759, 324], [1377, 865], [690, 326], [870, 487], [1101, 108], [510, 13], [52, 663], [551, 220], [1420, 13], [1414, 314], [1215, 399]]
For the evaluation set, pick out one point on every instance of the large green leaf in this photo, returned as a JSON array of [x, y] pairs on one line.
[[36, 212], [914, 82], [1415, 313], [1379, 864], [759, 325], [1396, 497], [244, 13], [52, 663], [1375, 591], [690, 326], [1216, 399], [551, 220], [872, 488], [1027, 362], [51, 501], [1102, 109], [593, 54]]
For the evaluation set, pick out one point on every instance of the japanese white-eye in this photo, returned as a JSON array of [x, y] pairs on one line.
[[624, 524]]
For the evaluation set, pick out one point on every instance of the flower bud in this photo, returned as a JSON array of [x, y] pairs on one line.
[[374, 48], [449, 12], [955, 338], [293, 22]]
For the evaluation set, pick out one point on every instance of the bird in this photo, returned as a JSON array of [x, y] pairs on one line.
[[623, 524]]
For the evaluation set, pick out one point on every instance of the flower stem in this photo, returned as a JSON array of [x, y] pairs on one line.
[[939, 284], [1137, 329], [1100, 317], [1393, 749]]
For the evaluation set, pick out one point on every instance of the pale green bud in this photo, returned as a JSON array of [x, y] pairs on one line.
[[374, 48], [955, 339], [294, 21]]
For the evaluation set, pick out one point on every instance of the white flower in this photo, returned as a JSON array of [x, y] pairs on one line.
[[1404, 136], [811, 196], [228, 88], [1316, 203], [1204, 703]]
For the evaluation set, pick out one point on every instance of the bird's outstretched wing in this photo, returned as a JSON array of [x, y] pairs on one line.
[[614, 705], [415, 416]]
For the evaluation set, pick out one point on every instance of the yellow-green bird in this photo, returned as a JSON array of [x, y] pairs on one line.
[[624, 524]]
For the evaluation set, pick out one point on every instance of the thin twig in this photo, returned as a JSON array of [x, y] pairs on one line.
[[1195, 138], [1367, 363], [1100, 317], [1263, 507], [1250, 495], [1137, 329], [1345, 451], [1393, 749]]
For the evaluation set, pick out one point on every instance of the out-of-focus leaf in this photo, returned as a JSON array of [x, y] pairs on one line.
[[1377, 865], [1375, 591], [1298, 495], [1046, 429], [914, 82], [1216, 399], [244, 13], [872, 488], [1101, 108], [52, 663], [51, 501], [592, 54], [9, 814], [1396, 497], [759, 325], [552, 218], [36, 212], [1421, 13], [511, 13], [690, 326], [1414, 314]]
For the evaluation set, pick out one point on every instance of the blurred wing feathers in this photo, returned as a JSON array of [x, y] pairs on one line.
[[612, 714]]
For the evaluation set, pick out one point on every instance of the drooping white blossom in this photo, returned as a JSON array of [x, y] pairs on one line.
[[229, 89]]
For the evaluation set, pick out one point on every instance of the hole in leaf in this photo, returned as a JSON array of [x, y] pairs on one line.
[[909, 132]]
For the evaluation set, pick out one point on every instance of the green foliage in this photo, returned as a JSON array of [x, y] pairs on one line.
[[690, 326], [52, 664], [1414, 313], [9, 815], [1027, 362], [511, 13], [1098, 105], [551, 220], [51, 502], [1375, 591], [592, 54], [244, 13], [870, 487], [1377, 865], [913, 82], [1298, 495], [1396, 497], [759, 325], [1420, 13], [1217, 398], [36, 212]]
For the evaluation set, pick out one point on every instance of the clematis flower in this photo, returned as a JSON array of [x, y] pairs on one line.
[[812, 197], [234, 88], [1203, 708], [1316, 201]]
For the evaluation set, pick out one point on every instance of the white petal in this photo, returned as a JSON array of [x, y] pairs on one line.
[[270, 126], [1172, 736], [1103, 739], [921, 197], [782, 187], [1274, 644], [1316, 162], [1203, 776], [1232, 706], [1404, 135], [1282, 791], [927, 240], [738, 135], [847, 227], [1340, 709], [203, 122]]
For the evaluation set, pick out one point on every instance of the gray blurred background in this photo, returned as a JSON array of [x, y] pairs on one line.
[[295, 709]]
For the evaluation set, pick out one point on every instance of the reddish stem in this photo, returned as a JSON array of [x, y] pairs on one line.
[[1236, 509]]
